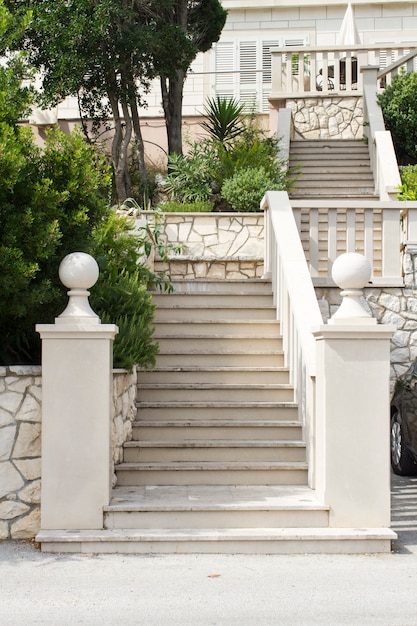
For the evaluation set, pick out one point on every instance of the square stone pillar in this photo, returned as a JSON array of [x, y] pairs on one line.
[[77, 354], [352, 428]]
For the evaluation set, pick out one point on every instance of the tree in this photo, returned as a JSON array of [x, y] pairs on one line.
[[107, 52], [399, 107], [201, 22], [98, 51]]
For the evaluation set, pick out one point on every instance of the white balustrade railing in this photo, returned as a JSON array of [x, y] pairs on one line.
[[296, 304], [308, 71], [374, 229]]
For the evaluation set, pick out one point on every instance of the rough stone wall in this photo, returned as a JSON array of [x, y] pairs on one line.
[[335, 117], [20, 451], [397, 306], [124, 412], [20, 443], [215, 245]]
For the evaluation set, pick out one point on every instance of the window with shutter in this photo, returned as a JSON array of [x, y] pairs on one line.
[[243, 69]]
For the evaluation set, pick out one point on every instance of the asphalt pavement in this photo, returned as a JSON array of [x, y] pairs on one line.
[[217, 590]]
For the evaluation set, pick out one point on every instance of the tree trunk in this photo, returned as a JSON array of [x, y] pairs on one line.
[[143, 174], [120, 143], [172, 95]]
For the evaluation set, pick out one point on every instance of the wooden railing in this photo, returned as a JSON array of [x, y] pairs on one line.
[[323, 70]]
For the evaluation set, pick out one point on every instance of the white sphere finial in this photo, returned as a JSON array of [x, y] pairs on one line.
[[78, 271], [351, 272]]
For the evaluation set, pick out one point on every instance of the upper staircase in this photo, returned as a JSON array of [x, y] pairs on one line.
[[331, 169]]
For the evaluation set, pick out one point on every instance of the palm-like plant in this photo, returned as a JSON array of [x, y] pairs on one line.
[[223, 119]]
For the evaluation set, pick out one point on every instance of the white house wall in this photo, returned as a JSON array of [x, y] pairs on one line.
[[248, 28]]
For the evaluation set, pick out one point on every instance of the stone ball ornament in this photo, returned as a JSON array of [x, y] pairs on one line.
[[351, 271], [78, 270]]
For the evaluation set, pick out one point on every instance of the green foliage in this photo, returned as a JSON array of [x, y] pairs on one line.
[[223, 119], [186, 207], [203, 172], [190, 176], [245, 190], [399, 107], [408, 188]]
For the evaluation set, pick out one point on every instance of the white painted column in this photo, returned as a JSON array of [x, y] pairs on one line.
[[352, 446], [76, 406]]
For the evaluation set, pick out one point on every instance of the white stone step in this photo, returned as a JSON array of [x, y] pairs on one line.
[[214, 507], [228, 375], [219, 343], [224, 358], [205, 300], [206, 286], [197, 428], [206, 450], [202, 392], [165, 311], [219, 541], [216, 327], [212, 473], [239, 412]]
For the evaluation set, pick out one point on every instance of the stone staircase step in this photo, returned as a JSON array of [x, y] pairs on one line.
[[211, 287], [228, 375], [211, 428], [213, 506], [219, 541], [219, 343], [205, 450], [332, 169], [335, 176], [207, 392], [212, 473], [165, 312], [203, 300], [224, 358], [216, 327]]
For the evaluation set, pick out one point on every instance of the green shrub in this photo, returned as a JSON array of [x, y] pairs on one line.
[[399, 107], [408, 189], [245, 190], [190, 175], [186, 207]]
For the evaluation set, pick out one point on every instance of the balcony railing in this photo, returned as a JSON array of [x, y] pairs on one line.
[[312, 71]]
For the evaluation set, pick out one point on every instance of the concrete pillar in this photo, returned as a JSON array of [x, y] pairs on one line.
[[352, 410], [76, 407]]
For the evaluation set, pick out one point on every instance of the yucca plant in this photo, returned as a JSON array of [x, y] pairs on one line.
[[223, 119]]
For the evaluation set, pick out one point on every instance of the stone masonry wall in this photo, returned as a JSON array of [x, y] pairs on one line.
[[20, 443], [124, 412], [335, 117], [20, 451], [214, 245]]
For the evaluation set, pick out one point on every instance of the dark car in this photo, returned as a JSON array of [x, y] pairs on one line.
[[404, 423]]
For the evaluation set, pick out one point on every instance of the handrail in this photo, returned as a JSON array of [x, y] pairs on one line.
[[381, 149], [286, 264], [297, 309], [394, 67]]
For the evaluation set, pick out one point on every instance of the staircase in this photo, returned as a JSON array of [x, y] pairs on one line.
[[217, 462], [332, 169]]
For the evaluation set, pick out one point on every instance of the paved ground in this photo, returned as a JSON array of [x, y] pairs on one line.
[[211, 590]]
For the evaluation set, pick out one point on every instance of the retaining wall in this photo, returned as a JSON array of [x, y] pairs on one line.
[[20, 443]]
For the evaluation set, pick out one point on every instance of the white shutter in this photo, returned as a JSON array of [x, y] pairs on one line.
[[225, 65], [266, 72], [248, 75]]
